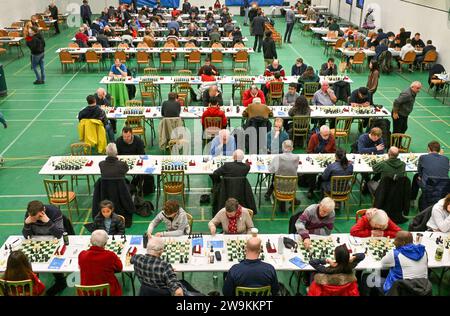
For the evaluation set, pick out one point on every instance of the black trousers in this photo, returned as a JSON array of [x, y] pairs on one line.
[[258, 41], [288, 33], [56, 25], [400, 124], [415, 187], [87, 20]]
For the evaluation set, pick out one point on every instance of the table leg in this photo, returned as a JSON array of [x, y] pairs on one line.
[[158, 190]]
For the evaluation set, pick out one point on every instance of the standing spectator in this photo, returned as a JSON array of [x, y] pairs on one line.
[[290, 21], [258, 25], [54, 14], [246, 4], [403, 106], [374, 75], [86, 13], [186, 7], [37, 48], [269, 49]]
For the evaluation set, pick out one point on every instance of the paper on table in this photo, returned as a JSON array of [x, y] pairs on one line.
[[149, 170], [56, 263], [298, 262], [136, 240]]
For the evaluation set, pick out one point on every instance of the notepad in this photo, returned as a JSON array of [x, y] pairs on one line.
[[298, 262], [197, 242], [260, 168], [149, 170], [56, 263], [136, 240], [144, 157]]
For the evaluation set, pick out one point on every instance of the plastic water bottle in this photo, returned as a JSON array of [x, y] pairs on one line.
[[231, 102], [280, 245]]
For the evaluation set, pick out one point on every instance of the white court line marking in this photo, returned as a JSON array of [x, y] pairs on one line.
[[37, 116]]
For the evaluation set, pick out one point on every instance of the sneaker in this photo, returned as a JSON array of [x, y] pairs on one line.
[[37, 82]]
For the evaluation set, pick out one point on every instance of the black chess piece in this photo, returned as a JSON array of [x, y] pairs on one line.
[[338, 240], [113, 237], [6, 247]]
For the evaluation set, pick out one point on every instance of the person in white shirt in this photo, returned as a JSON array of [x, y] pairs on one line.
[[405, 49], [440, 216], [407, 260]]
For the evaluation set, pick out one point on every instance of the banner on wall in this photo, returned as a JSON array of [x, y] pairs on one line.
[[152, 3], [262, 3]]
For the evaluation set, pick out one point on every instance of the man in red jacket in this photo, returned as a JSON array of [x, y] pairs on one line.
[[214, 111], [375, 223], [319, 143], [98, 265], [252, 93]]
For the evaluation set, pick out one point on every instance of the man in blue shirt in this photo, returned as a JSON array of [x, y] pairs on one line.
[[371, 143], [118, 69], [251, 272], [223, 144], [173, 24]]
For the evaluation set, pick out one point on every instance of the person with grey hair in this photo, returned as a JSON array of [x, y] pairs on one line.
[[233, 169], [251, 94], [285, 164], [316, 219], [157, 276], [375, 223], [234, 219], [403, 106], [98, 265], [223, 144], [103, 98], [112, 167]]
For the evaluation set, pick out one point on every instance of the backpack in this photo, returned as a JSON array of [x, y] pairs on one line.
[[143, 208], [385, 60]]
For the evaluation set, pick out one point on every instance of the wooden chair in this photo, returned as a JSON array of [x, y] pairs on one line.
[[81, 149], [2, 50], [217, 57], [133, 103], [301, 127], [58, 194], [340, 41], [341, 188], [359, 213], [253, 291], [3, 33], [241, 57], [123, 46], [195, 58], [150, 71], [409, 59], [275, 92], [142, 45], [240, 71], [242, 85], [213, 125], [149, 91], [16, 288], [66, 59], [142, 58], [359, 59], [173, 184], [216, 45], [190, 221], [93, 290], [14, 44], [401, 141], [183, 89], [137, 123], [309, 88], [429, 59], [99, 46], [165, 58], [43, 27], [285, 189], [121, 55], [73, 45], [342, 129], [92, 58]]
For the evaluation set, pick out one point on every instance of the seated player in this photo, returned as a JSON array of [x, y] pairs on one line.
[[375, 223], [361, 97], [274, 68], [236, 168], [102, 97], [234, 219], [257, 109], [18, 268], [118, 69], [251, 272], [112, 167], [440, 216], [292, 95], [223, 144], [93, 111], [156, 274], [98, 265], [329, 68], [341, 167], [338, 273], [251, 94], [214, 110], [175, 219], [214, 70], [109, 221], [212, 92], [316, 219], [171, 107], [371, 143], [129, 144], [407, 261], [276, 137]]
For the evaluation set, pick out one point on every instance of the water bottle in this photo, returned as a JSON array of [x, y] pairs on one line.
[[280, 245], [231, 102], [133, 73]]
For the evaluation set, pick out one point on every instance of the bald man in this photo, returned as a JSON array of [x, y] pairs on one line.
[[236, 168], [251, 272]]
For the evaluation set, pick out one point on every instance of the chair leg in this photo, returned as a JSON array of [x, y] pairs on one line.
[[293, 206], [70, 211], [89, 185], [274, 207], [346, 210], [76, 206]]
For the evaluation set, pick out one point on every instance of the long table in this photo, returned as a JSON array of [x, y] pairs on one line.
[[118, 39], [177, 50], [14, 40], [369, 52], [198, 262]]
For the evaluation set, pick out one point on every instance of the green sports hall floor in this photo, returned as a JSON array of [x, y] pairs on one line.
[[42, 122]]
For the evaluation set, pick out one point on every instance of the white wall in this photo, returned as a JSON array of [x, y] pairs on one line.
[[431, 24]]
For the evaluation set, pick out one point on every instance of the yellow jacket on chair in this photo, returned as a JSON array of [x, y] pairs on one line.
[[92, 132]]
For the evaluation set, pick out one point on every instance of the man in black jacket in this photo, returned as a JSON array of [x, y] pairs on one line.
[[171, 107], [93, 111], [232, 169], [86, 13], [129, 144], [329, 68], [258, 30], [186, 7], [54, 14], [269, 49], [37, 47]]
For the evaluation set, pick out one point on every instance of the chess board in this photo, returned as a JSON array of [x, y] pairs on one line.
[[320, 249], [378, 248], [39, 251], [176, 252], [411, 159], [371, 160], [331, 109], [115, 246], [334, 78], [149, 79], [321, 160], [218, 162], [133, 110], [236, 250], [171, 165], [131, 162], [363, 110], [70, 163], [181, 79]]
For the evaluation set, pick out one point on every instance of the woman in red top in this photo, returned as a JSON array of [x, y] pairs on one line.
[[375, 223], [252, 93], [98, 265], [18, 268]]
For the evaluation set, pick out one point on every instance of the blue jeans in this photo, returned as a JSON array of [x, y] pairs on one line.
[[110, 133], [2, 119], [246, 15], [38, 60]]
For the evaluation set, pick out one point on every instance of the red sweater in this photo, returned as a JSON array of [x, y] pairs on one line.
[[97, 266], [247, 98], [207, 78], [81, 37], [363, 229], [214, 112], [314, 142]]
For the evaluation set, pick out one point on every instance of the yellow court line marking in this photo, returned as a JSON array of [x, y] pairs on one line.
[[434, 135]]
